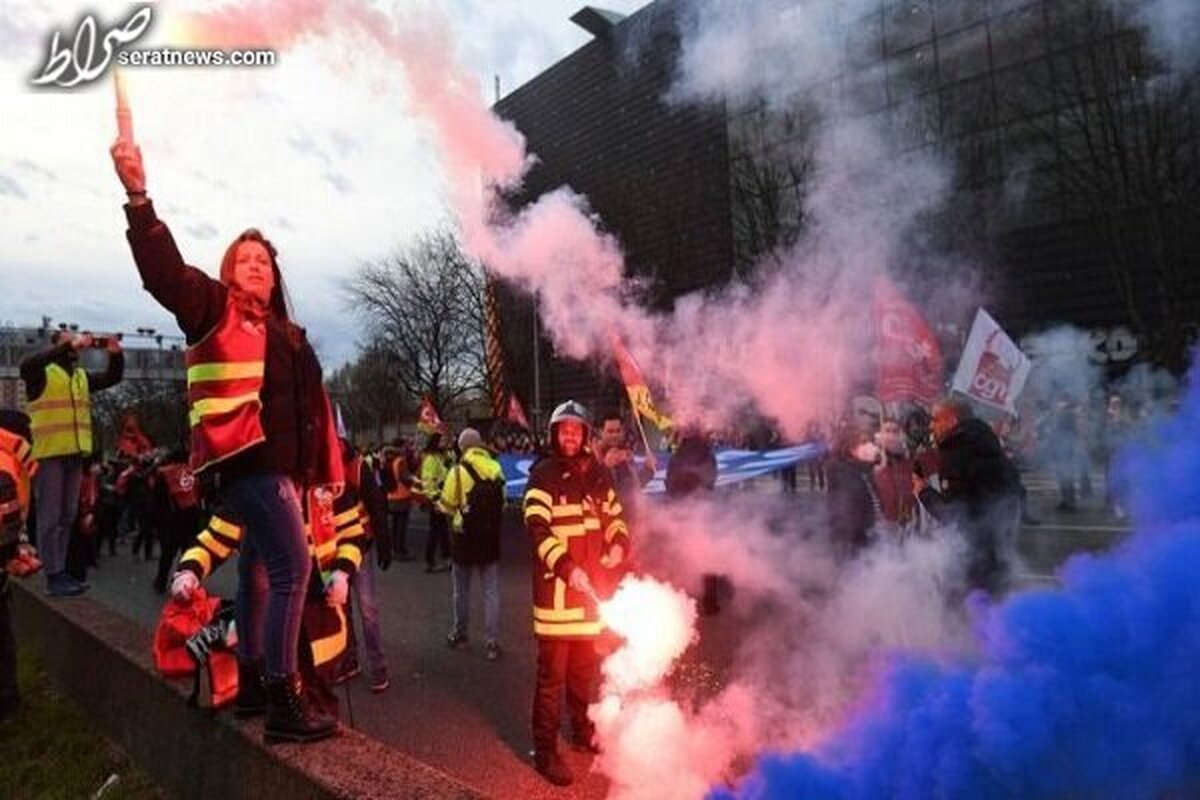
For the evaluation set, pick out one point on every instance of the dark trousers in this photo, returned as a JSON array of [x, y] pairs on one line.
[[437, 544], [8, 652], [273, 570], [57, 487], [176, 531], [399, 522], [576, 664]]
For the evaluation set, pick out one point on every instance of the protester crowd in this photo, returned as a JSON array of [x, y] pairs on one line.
[[268, 477]]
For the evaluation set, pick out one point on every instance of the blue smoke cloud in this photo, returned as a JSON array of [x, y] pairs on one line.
[[1089, 690]]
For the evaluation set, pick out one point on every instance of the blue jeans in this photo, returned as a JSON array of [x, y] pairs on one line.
[[489, 579], [366, 600], [273, 569], [56, 486]]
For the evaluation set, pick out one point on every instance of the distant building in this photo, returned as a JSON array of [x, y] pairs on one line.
[[1004, 89]]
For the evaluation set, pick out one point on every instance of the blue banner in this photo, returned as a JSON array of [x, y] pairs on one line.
[[733, 466]]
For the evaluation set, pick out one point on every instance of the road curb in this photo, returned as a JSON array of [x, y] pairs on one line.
[[102, 662]]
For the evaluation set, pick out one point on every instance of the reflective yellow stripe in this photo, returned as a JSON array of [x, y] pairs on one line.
[[548, 544], [226, 528], [615, 528], [567, 531], [332, 646], [569, 510], [560, 593], [345, 516], [537, 511], [209, 406], [567, 628], [555, 557], [351, 553], [591, 523], [324, 550], [224, 371], [209, 542], [200, 555], [195, 556], [558, 614], [540, 496], [613, 510]]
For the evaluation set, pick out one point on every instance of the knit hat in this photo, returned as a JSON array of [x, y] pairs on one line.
[[469, 438]]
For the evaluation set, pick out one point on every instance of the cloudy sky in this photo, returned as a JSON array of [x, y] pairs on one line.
[[318, 151]]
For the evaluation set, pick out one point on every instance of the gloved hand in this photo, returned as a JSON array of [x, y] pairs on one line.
[[184, 584], [580, 582], [614, 557], [337, 589]]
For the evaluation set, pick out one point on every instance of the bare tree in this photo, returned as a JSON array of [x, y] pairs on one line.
[[369, 393], [1125, 147], [423, 306], [160, 405]]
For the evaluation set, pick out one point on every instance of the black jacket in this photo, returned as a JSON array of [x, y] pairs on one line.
[[33, 370], [293, 413], [693, 466], [975, 473]]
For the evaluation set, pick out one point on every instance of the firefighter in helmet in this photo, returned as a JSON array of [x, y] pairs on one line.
[[579, 539]]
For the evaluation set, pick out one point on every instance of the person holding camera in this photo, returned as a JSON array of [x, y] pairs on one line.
[[59, 392]]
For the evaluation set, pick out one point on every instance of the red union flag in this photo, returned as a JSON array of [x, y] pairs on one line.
[[907, 355], [993, 369], [516, 414], [428, 420]]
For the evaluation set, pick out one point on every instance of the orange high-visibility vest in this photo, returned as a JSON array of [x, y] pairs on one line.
[[225, 377]]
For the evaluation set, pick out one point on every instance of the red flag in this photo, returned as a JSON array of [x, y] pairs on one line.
[[907, 354], [428, 420], [516, 414], [636, 386]]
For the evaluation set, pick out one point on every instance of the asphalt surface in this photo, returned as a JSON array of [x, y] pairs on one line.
[[459, 713]]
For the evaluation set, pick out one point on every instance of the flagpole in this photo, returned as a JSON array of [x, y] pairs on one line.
[[638, 418]]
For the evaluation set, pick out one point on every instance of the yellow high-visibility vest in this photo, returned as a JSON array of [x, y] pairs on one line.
[[61, 417]]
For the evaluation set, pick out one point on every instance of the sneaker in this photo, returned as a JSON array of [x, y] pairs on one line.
[[492, 651], [550, 766], [63, 585], [457, 641], [380, 682]]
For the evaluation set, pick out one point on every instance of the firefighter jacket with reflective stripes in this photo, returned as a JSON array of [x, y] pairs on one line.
[[16, 458], [573, 518], [433, 472], [224, 379], [61, 416], [336, 537]]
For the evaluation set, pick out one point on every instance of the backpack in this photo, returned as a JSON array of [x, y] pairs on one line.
[[478, 541], [484, 508]]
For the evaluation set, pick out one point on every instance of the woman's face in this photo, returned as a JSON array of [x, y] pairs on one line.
[[252, 271]]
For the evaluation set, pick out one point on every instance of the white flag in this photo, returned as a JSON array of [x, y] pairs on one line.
[[992, 369]]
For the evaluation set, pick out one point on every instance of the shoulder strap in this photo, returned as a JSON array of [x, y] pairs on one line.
[[470, 470]]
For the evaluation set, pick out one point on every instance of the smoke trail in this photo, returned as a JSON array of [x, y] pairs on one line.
[[792, 346], [1088, 690]]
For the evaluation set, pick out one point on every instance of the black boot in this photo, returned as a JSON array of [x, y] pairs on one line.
[[288, 717], [550, 766], [251, 697]]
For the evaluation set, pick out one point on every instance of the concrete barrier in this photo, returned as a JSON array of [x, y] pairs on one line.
[[102, 662]]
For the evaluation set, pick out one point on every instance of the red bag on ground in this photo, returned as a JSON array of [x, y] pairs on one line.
[[179, 620]]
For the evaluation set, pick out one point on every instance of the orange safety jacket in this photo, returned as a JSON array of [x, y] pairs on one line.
[[573, 518], [225, 377], [16, 458]]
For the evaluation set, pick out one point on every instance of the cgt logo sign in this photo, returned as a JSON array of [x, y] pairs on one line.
[[91, 52]]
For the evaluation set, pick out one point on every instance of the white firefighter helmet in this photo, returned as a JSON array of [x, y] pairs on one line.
[[571, 410]]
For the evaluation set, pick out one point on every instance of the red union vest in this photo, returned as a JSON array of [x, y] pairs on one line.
[[225, 378]]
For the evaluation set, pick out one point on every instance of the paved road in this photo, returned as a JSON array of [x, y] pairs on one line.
[[469, 717]]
